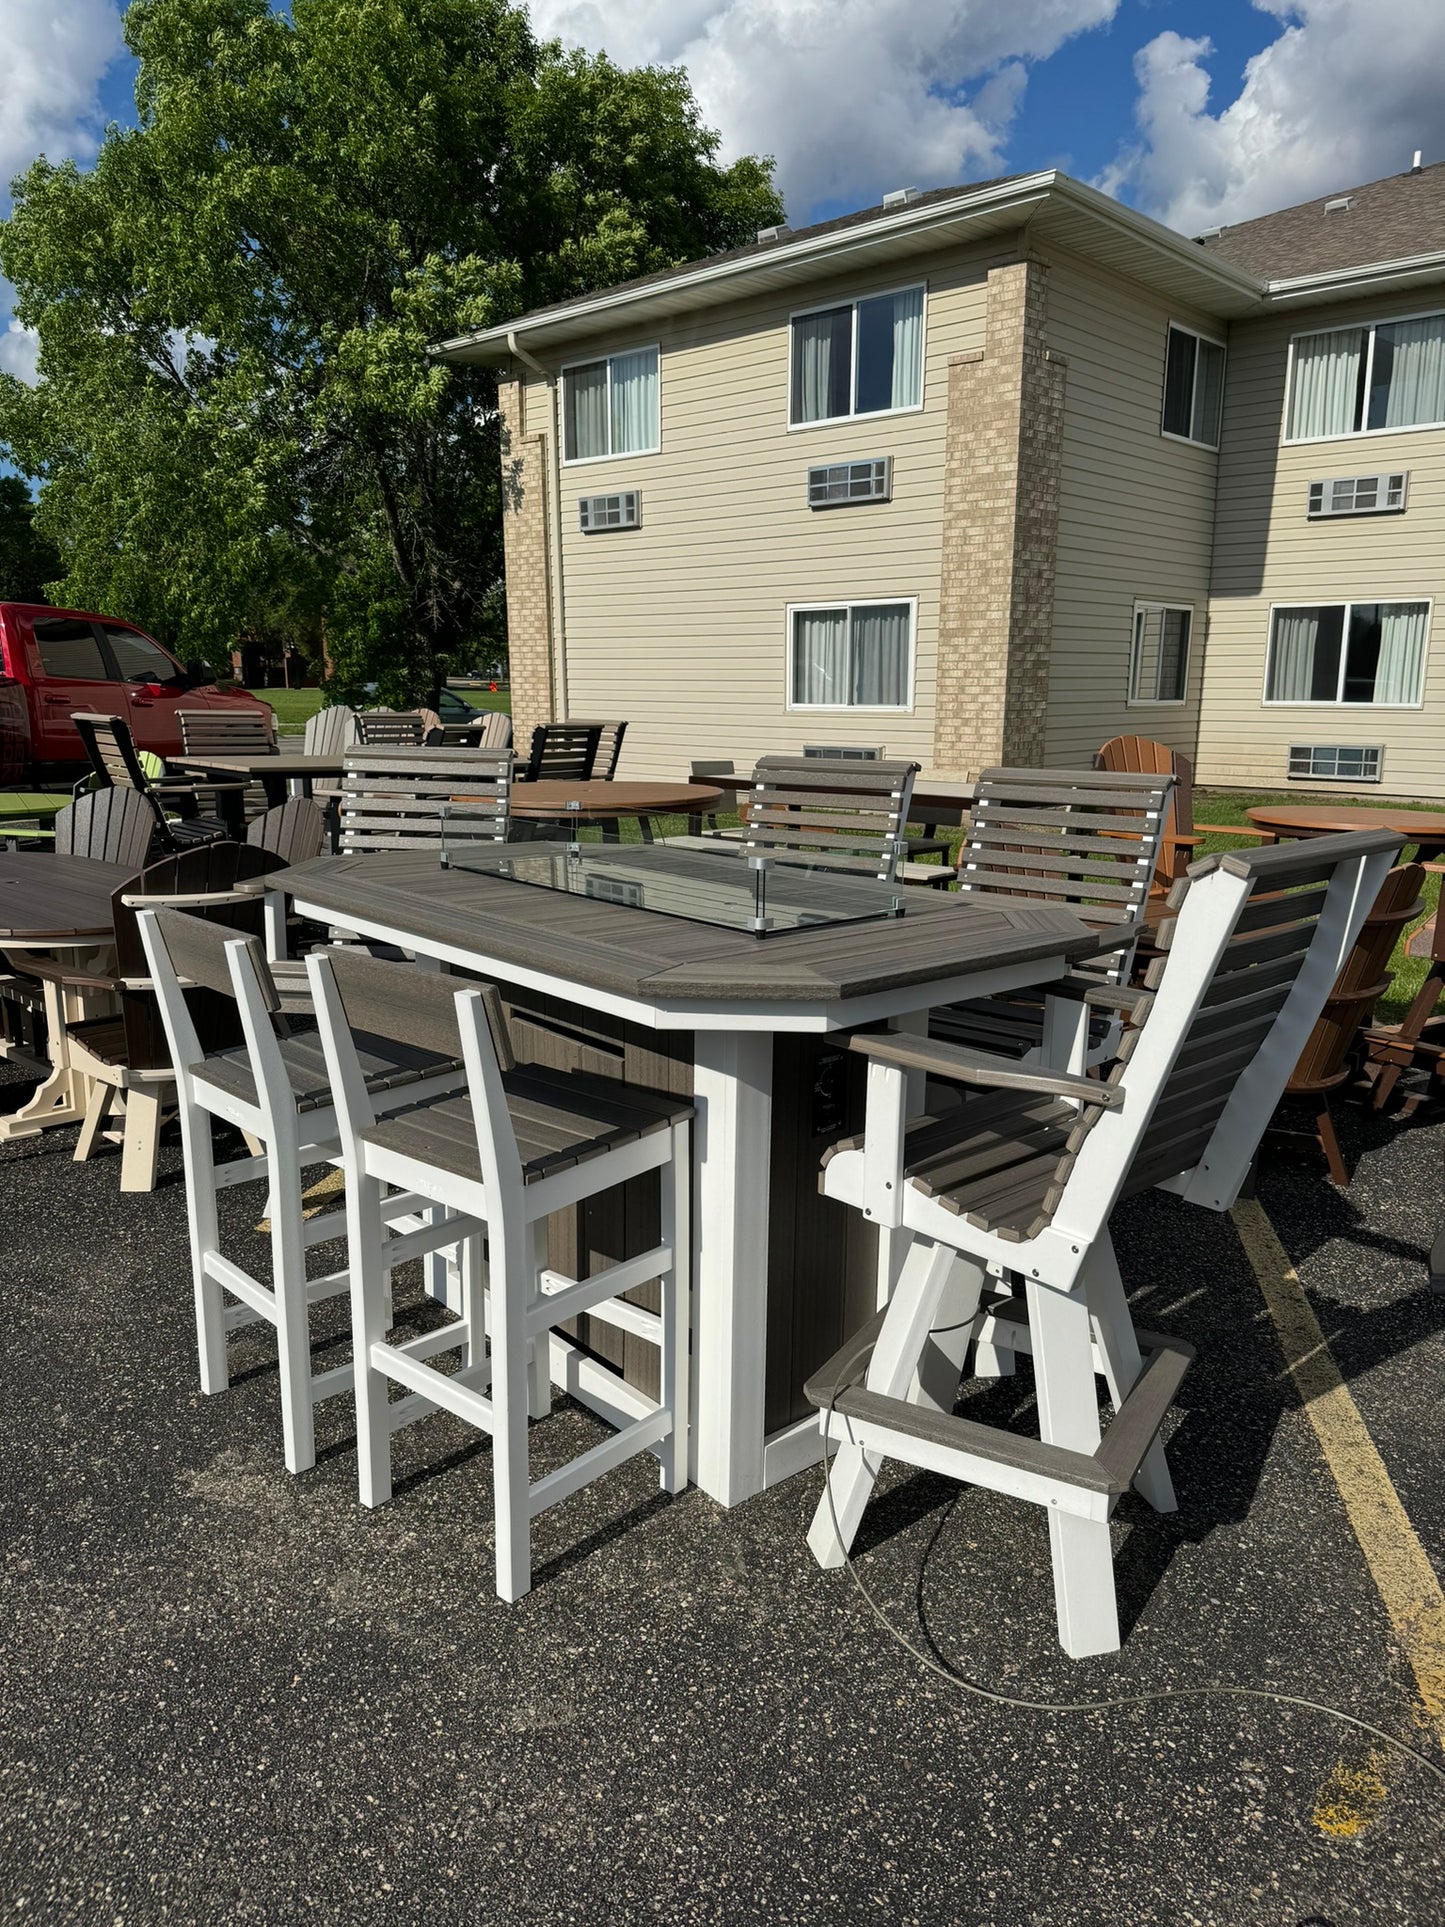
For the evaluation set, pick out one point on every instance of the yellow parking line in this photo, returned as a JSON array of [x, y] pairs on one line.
[[1397, 1561]]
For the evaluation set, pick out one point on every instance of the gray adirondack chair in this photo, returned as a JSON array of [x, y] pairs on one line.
[[1023, 1180]]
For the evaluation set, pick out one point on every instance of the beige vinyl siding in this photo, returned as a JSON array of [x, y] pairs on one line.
[[1135, 512], [1268, 552], [681, 626]]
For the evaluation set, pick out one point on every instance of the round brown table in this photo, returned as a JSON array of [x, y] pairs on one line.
[[558, 801], [1424, 828]]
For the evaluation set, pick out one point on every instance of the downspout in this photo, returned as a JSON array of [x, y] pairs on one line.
[[554, 533]]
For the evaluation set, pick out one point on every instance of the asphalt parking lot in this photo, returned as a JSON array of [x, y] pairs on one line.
[[230, 1695]]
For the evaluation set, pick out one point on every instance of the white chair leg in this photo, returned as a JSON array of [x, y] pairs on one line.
[[911, 1313], [1083, 1559], [992, 1360], [293, 1322], [98, 1102], [141, 1141], [513, 1281], [539, 1357], [364, 1232], [676, 1308], [1122, 1361], [205, 1241]]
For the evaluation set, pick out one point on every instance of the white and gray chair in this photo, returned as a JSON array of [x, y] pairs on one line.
[[274, 1088], [523, 1143], [1023, 1180]]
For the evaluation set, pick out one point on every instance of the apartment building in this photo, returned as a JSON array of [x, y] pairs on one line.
[[991, 474]]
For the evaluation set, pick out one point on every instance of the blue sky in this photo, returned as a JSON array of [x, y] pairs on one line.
[[1196, 111]]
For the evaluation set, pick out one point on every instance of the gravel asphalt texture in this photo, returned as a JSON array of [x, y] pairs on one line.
[[231, 1695]]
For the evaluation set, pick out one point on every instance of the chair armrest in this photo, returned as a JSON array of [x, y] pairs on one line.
[[165, 785], [52, 970], [1191, 837], [1100, 996], [1234, 829], [958, 1066], [185, 902]]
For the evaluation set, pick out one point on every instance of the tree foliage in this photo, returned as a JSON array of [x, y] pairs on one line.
[[238, 425], [29, 561]]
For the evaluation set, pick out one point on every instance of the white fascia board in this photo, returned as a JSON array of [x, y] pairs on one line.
[[825, 252], [1368, 278]]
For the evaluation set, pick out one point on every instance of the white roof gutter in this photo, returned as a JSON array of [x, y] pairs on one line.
[[1356, 280]]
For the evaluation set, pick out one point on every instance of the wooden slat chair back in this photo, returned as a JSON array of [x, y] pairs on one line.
[[330, 731], [1022, 1181], [1328, 1057], [500, 1159], [216, 732], [294, 830], [402, 728], [111, 825], [424, 799], [117, 764], [275, 1090], [1418, 1040], [609, 748], [1142, 756], [829, 811], [562, 752]]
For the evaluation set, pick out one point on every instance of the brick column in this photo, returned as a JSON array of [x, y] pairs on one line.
[[527, 558], [1001, 512]]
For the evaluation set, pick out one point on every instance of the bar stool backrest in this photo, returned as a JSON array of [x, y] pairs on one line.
[[562, 752], [109, 825], [840, 813], [609, 748], [111, 748], [424, 800], [407, 728], [220, 732]]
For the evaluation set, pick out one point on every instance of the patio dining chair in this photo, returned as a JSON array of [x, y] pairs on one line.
[[218, 732], [493, 730], [424, 800], [398, 728], [520, 1144], [1023, 1179], [561, 752], [1082, 839], [272, 1086], [609, 748], [835, 813], [174, 801]]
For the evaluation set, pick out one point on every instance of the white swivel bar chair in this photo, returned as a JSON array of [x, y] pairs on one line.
[[523, 1143], [1023, 1178]]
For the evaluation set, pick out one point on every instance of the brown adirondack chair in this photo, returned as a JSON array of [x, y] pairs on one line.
[[1418, 1040], [1331, 1053], [1141, 755]]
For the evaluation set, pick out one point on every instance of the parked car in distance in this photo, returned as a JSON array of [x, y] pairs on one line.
[[55, 661]]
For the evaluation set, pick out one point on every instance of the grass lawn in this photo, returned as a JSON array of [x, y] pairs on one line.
[[295, 707]]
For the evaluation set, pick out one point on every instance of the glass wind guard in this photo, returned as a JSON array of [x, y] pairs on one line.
[[728, 889]]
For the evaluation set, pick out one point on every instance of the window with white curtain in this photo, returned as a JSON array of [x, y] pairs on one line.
[[1159, 663], [860, 358], [1362, 381], [610, 407], [855, 655], [1193, 387], [1348, 652]]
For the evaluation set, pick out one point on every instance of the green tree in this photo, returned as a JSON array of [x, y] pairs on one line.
[[239, 425], [28, 560]]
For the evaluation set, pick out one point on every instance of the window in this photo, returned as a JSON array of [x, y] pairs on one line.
[[1358, 495], [1358, 381], [1193, 386], [1348, 652], [1159, 664], [610, 407], [1335, 762], [865, 358], [69, 650], [856, 656], [140, 660]]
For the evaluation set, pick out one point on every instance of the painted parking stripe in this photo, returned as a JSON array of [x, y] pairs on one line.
[[1398, 1563]]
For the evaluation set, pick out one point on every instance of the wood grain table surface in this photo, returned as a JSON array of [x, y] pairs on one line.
[[640, 954], [45, 897], [1425, 828], [601, 801]]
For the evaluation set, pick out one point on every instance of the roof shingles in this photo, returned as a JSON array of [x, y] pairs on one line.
[[1390, 220]]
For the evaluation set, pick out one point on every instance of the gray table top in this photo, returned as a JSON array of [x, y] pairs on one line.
[[657, 959], [42, 895], [284, 763]]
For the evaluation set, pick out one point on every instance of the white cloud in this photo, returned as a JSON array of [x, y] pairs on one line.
[[1343, 95], [853, 97], [55, 53], [20, 352]]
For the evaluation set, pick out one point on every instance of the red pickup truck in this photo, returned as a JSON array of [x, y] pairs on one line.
[[54, 661]]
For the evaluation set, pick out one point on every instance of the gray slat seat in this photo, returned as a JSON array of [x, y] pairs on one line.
[[386, 1064], [560, 1118]]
